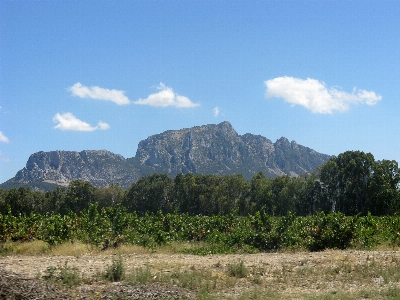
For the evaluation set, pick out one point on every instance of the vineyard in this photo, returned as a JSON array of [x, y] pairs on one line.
[[113, 226]]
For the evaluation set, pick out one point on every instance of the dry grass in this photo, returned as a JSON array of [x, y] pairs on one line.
[[126, 249], [69, 249], [331, 274], [24, 248], [66, 249], [341, 278]]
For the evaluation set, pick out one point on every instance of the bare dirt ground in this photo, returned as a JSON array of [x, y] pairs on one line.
[[338, 274]]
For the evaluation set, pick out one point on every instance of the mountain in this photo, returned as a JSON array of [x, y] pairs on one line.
[[208, 149]]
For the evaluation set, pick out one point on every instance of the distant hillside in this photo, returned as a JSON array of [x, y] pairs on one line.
[[208, 149]]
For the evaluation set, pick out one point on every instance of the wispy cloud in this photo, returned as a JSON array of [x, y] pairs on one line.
[[216, 111], [4, 159], [68, 122], [3, 138], [99, 93], [166, 97], [316, 96]]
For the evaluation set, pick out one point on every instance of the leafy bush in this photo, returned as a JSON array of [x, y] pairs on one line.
[[394, 230], [367, 231], [334, 231]]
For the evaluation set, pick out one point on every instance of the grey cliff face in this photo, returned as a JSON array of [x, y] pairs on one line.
[[219, 149], [100, 167], [197, 150], [294, 159], [208, 149]]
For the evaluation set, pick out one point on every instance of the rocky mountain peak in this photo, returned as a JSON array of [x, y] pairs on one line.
[[219, 149], [225, 128], [207, 149]]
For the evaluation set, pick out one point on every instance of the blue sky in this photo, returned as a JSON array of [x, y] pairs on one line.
[[77, 75]]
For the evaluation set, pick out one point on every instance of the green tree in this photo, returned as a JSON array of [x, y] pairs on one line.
[[23, 201], [345, 179], [109, 196], [233, 191], [329, 176], [209, 194], [186, 193], [55, 200], [283, 195], [3, 206], [309, 196], [261, 194], [79, 196], [150, 194], [383, 189], [206, 192]]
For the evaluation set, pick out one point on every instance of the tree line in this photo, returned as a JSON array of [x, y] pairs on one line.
[[351, 183]]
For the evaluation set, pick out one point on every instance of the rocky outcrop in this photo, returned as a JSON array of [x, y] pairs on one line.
[[219, 149], [208, 149], [101, 168]]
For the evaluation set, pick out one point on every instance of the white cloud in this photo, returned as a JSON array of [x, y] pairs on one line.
[[99, 93], [68, 121], [166, 97], [103, 125], [3, 138], [216, 111], [315, 96]]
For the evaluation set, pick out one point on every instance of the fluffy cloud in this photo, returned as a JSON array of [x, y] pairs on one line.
[[68, 121], [216, 111], [3, 138], [103, 126], [99, 93], [315, 96], [166, 97]]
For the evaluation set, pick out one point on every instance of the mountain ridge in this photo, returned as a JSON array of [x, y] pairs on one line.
[[206, 149]]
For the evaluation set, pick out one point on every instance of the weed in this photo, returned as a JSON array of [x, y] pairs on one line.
[[69, 276], [195, 279], [116, 271], [140, 275], [303, 271], [237, 270], [50, 273], [63, 275], [393, 292], [203, 294], [255, 294], [257, 279], [5, 249]]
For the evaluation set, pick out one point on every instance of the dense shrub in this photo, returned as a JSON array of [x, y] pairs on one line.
[[113, 226], [335, 231]]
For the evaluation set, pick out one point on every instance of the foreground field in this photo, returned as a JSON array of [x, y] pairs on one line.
[[76, 274]]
